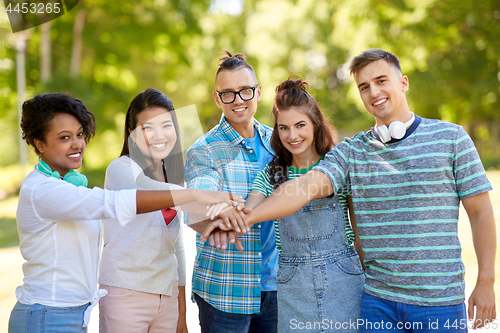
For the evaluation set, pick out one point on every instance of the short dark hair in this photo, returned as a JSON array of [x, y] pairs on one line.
[[41, 109], [371, 55], [174, 164], [230, 62], [293, 93]]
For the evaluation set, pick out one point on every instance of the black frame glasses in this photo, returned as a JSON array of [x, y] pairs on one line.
[[227, 93]]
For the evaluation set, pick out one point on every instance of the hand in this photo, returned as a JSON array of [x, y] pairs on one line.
[[233, 219], [483, 300], [214, 197], [220, 238], [182, 324], [209, 227], [230, 219], [246, 217], [216, 209]]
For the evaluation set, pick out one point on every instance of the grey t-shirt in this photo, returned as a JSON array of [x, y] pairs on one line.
[[406, 198]]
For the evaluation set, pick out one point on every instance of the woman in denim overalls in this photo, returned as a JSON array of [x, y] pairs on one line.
[[320, 277]]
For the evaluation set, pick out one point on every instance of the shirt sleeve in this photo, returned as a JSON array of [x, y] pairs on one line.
[[470, 176], [262, 182], [335, 165], [124, 173], [342, 195], [200, 170], [55, 200]]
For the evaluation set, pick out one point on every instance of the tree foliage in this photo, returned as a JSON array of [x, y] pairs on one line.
[[450, 51]]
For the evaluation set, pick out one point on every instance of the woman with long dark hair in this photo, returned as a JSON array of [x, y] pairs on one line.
[[143, 265]]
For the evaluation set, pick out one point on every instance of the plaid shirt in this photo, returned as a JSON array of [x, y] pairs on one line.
[[229, 280]]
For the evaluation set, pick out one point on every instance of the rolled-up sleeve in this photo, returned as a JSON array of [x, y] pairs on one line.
[[55, 200], [200, 171]]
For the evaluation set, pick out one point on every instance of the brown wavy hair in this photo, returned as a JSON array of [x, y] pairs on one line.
[[293, 93]]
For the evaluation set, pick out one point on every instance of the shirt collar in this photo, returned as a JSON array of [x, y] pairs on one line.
[[236, 138]]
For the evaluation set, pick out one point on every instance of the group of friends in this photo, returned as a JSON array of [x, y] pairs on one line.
[[295, 232]]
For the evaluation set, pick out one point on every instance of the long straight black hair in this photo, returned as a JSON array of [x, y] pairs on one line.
[[173, 164]]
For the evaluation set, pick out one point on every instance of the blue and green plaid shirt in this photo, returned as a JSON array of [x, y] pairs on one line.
[[229, 280]]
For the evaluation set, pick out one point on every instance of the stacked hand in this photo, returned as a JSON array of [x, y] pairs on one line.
[[216, 199], [228, 222]]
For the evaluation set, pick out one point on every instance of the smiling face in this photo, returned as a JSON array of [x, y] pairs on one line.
[[64, 144], [238, 113], [155, 134], [296, 132], [382, 89]]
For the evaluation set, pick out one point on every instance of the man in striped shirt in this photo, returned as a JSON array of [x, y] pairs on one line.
[[408, 176], [235, 290]]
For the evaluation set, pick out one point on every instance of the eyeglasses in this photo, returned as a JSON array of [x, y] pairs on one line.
[[246, 94]]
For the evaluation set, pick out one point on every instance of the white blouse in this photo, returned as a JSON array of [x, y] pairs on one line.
[[60, 237]]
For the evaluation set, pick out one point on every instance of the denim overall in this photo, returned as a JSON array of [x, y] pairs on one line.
[[320, 278]]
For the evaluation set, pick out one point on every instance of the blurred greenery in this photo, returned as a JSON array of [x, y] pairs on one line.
[[8, 233], [450, 51]]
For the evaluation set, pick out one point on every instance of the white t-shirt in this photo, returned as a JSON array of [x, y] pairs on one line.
[[60, 238]]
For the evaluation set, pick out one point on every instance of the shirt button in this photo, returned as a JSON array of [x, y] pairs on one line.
[[258, 280], [260, 253], [258, 226]]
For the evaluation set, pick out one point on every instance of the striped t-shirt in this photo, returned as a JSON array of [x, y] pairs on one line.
[[406, 198], [263, 185]]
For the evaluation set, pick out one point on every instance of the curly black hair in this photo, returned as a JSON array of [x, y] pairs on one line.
[[39, 111]]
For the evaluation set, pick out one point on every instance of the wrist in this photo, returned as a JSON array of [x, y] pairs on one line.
[[192, 193], [250, 219], [487, 280]]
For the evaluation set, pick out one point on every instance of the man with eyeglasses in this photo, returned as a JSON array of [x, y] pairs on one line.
[[235, 290]]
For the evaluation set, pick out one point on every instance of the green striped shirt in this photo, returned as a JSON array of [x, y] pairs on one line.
[[263, 185]]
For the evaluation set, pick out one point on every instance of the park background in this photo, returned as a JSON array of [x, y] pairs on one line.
[[105, 52]]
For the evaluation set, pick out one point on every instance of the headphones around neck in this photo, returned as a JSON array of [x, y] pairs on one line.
[[72, 177], [396, 130]]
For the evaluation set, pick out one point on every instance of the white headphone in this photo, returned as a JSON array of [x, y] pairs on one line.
[[396, 130]]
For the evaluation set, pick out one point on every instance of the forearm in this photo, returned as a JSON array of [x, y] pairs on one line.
[[484, 237], [291, 196], [481, 304], [182, 301], [198, 222], [149, 201], [485, 243], [195, 208]]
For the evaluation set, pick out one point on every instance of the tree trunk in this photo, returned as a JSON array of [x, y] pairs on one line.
[[76, 52], [45, 52]]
